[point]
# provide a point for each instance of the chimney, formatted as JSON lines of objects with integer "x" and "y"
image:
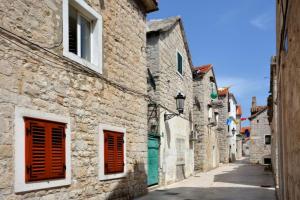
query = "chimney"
{"x": 253, "y": 102}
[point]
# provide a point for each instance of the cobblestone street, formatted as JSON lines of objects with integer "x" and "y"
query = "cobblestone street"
{"x": 237, "y": 181}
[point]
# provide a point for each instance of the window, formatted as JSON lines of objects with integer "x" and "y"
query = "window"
{"x": 210, "y": 113}
{"x": 217, "y": 117}
{"x": 267, "y": 139}
{"x": 267, "y": 161}
{"x": 179, "y": 63}
{"x": 229, "y": 107}
{"x": 113, "y": 152}
{"x": 42, "y": 150}
{"x": 112, "y": 148}
{"x": 45, "y": 150}
{"x": 82, "y": 34}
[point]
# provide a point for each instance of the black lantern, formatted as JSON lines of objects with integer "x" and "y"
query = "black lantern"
{"x": 179, "y": 106}
{"x": 233, "y": 131}
{"x": 180, "y": 102}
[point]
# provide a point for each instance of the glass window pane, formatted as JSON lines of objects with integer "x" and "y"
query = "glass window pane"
{"x": 85, "y": 39}
{"x": 72, "y": 30}
{"x": 179, "y": 63}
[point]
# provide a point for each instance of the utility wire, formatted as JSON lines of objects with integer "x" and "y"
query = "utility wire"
{"x": 74, "y": 68}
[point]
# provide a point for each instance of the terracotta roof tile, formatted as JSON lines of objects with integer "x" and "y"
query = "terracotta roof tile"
{"x": 223, "y": 91}
{"x": 239, "y": 110}
{"x": 203, "y": 69}
{"x": 257, "y": 110}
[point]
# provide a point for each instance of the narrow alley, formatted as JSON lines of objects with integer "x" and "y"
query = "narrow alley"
{"x": 235, "y": 181}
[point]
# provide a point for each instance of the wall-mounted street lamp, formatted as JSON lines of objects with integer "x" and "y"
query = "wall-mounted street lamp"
{"x": 180, "y": 98}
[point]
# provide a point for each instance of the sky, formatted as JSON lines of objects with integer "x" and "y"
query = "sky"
{"x": 236, "y": 36}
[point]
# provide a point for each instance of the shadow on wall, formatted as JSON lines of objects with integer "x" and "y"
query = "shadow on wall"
{"x": 168, "y": 133}
{"x": 131, "y": 186}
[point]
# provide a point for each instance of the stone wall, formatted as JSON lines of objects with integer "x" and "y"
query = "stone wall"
{"x": 168, "y": 83}
{"x": 223, "y": 130}
{"x": 239, "y": 149}
{"x": 41, "y": 79}
{"x": 206, "y": 148}
{"x": 288, "y": 63}
{"x": 259, "y": 128}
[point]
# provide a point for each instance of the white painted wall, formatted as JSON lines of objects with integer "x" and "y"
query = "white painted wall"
{"x": 170, "y": 130}
{"x": 232, "y": 113}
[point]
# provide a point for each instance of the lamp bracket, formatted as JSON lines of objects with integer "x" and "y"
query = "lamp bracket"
{"x": 169, "y": 116}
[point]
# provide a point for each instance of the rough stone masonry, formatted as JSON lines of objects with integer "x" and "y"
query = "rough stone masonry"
{"x": 35, "y": 75}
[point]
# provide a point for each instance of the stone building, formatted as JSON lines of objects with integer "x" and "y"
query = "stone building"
{"x": 170, "y": 74}
{"x": 273, "y": 120}
{"x": 227, "y": 126}
{"x": 260, "y": 139}
{"x": 73, "y": 118}
{"x": 233, "y": 123}
{"x": 245, "y": 133}
{"x": 284, "y": 100}
{"x": 206, "y": 118}
{"x": 223, "y": 128}
{"x": 239, "y": 137}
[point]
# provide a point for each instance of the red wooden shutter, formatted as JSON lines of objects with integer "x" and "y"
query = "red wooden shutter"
{"x": 36, "y": 153}
{"x": 44, "y": 150}
{"x": 57, "y": 151}
{"x": 113, "y": 152}
{"x": 119, "y": 164}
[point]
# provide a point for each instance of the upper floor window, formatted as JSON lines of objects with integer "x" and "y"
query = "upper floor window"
{"x": 267, "y": 139}
{"x": 217, "y": 117}
{"x": 82, "y": 34}
{"x": 179, "y": 63}
{"x": 210, "y": 113}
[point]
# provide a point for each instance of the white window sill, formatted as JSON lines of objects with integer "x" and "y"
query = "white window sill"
{"x": 112, "y": 176}
{"x": 180, "y": 75}
{"x": 82, "y": 61}
{"x": 25, "y": 187}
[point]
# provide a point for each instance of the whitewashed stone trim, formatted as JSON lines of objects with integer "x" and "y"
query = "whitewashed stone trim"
{"x": 96, "y": 63}
{"x": 20, "y": 185}
{"x": 102, "y": 128}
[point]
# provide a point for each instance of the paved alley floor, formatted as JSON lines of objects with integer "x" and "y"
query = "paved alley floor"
{"x": 236, "y": 181}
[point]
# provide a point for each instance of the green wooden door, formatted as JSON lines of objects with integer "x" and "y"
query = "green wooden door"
{"x": 153, "y": 154}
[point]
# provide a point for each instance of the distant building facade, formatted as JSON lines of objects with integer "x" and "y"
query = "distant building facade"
{"x": 239, "y": 137}
{"x": 245, "y": 133}
{"x": 170, "y": 73}
{"x": 260, "y": 139}
{"x": 232, "y": 127}
{"x": 206, "y": 118}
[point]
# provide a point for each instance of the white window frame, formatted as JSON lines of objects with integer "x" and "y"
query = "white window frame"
{"x": 20, "y": 185}
{"x": 210, "y": 113}
{"x": 88, "y": 12}
{"x": 178, "y": 52}
{"x": 265, "y": 139}
{"x": 101, "y": 160}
